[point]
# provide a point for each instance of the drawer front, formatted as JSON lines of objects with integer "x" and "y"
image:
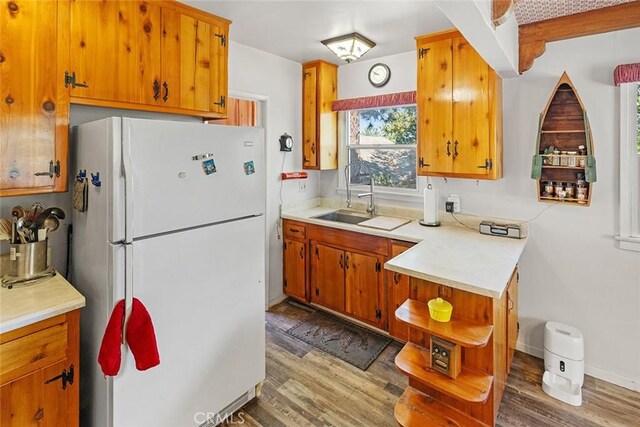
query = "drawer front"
{"x": 30, "y": 352}
{"x": 294, "y": 230}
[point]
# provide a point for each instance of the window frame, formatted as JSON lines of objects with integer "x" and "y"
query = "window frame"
{"x": 629, "y": 233}
{"x": 385, "y": 193}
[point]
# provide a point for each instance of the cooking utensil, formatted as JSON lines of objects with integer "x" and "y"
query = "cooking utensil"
{"x": 22, "y": 229}
{"x": 50, "y": 224}
{"x": 39, "y": 221}
{"x": 34, "y": 211}
{"x": 6, "y": 227}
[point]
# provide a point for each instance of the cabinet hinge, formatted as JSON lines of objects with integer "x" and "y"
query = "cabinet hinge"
{"x": 317, "y": 254}
{"x": 488, "y": 164}
{"x": 422, "y": 164}
{"x": 70, "y": 79}
{"x": 65, "y": 376}
{"x": 422, "y": 52}
{"x": 378, "y": 266}
{"x": 285, "y": 245}
{"x": 285, "y": 283}
{"x": 378, "y": 314}
{"x": 223, "y": 39}
{"x": 222, "y": 103}
{"x": 317, "y": 292}
{"x": 54, "y": 169}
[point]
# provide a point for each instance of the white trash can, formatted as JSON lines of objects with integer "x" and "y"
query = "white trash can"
{"x": 563, "y": 363}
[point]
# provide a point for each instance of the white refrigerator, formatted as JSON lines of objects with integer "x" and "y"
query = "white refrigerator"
{"x": 175, "y": 219}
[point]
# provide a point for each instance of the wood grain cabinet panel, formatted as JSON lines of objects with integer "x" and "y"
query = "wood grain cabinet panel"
{"x": 115, "y": 50}
{"x": 295, "y": 268}
{"x": 34, "y": 105}
{"x": 459, "y": 110}
{"x": 327, "y": 276}
{"x": 364, "y": 288}
{"x": 398, "y": 292}
{"x": 319, "y": 121}
{"x": 33, "y": 393}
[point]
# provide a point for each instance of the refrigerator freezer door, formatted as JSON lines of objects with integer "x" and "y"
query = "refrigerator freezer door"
{"x": 191, "y": 174}
{"x": 204, "y": 290}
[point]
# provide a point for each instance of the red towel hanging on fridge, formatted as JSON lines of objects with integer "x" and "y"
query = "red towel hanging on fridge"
{"x": 140, "y": 335}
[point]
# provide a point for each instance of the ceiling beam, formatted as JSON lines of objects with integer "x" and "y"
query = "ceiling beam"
{"x": 500, "y": 10}
{"x": 534, "y": 37}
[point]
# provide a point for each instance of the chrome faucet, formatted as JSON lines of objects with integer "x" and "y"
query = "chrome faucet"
{"x": 346, "y": 177}
{"x": 371, "y": 208}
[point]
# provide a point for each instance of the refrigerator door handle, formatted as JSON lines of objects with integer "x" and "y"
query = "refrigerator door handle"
{"x": 128, "y": 181}
{"x": 128, "y": 287}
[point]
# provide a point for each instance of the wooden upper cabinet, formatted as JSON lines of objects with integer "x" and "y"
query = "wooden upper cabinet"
{"x": 115, "y": 50}
{"x": 34, "y": 105}
{"x": 319, "y": 121}
{"x": 459, "y": 110}
{"x": 149, "y": 55}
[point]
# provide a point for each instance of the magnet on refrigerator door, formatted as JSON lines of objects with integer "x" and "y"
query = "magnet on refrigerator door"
{"x": 209, "y": 167}
{"x": 249, "y": 168}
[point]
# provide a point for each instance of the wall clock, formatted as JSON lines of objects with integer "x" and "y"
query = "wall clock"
{"x": 379, "y": 75}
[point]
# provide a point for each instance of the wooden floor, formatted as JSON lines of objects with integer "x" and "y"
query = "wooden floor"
{"x": 306, "y": 386}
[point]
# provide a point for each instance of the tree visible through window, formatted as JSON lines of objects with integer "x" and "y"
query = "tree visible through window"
{"x": 382, "y": 143}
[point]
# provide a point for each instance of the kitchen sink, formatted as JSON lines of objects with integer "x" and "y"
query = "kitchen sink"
{"x": 348, "y": 217}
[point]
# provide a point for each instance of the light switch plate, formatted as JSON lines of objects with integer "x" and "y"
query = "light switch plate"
{"x": 302, "y": 186}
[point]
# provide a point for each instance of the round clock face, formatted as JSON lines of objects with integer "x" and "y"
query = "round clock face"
{"x": 288, "y": 142}
{"x": 379, "y": 75}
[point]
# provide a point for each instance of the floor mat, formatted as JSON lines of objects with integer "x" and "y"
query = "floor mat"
{"x": 353, "y": 344}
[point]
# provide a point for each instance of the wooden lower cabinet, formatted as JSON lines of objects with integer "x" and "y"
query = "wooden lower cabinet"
{"x": 364, "y": 287}
{"x": 295, "y": 269}
{"x": 39, "y": 373}
{"x": 513, "y": 326}
{"x": 398, "y": 293}
{"x": 328, "y": 276}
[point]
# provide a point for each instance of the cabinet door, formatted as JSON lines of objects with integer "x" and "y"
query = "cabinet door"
{"x": 294, "y": 269}
{"x": 29, "y": 401}
{"x": 470, "y": 109}
{"x": 115, "y": 50}
{"x": 218, "y": 86}
{"x": 398, "y": 286}
{"x": 34, "y": 112}
{"x": 309, "y": 117}
{"x": 327, "y": 276}
{"x": 435, "y": 120}
{"x": 363, "y": 279}
{"x": 512, "y": 318}
{"x": 186, "y": 61}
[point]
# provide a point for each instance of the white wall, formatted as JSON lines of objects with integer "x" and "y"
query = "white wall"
{"x": 280, "y": 80}
{"x": 571, "y": 270}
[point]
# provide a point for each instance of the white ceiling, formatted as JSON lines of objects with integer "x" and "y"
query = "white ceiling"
{"x": 294, "y": 29}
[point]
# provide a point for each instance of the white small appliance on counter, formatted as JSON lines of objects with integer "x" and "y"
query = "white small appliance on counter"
{"x": 177, "y": 222}
{"x": 563, "y": 363}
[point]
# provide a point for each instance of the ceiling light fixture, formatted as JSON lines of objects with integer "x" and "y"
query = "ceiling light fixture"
{"x": 349, "y": 47}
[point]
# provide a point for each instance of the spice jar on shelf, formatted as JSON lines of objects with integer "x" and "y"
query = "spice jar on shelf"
{"x": 569, "y": 190}
{"x": 556, "y": 157}
{"x": 548, "y": 189}
{"x": 582, "y": 192}
{"x": 582, "y": 156}
{"x": 572, "y": 159}
{"x": 559, "y": 190}
{"x": 564, "y": 159}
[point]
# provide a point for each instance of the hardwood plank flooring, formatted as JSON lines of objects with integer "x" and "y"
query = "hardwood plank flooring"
{"x": 307, "y": 387}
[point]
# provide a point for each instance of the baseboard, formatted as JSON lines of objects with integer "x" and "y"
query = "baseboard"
{"x": 589, "y": 370}
{"x": 277, "y": 300}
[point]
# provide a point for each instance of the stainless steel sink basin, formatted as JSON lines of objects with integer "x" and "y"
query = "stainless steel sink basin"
{"x": 348, "y": 217}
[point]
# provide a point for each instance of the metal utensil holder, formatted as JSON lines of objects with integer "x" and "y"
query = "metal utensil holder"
{"x": 28, "y": 259}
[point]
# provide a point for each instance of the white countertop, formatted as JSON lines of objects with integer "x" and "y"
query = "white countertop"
{"x": 22, "y": 306}
{"x": 450, "y": 255}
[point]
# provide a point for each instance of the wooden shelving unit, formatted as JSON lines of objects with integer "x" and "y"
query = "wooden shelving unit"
{"x": 564, "y": 127}
{"x": 470, "y": 386}
{"x": 416, "y": 315}
{"x": 418, "y": 409}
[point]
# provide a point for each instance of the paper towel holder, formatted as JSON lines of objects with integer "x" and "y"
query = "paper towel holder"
{"x": 429, "y": 224}
{"x": 423, "y": 221}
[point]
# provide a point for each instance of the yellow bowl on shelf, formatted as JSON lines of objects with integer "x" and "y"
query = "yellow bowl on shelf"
{"x": 440, "y": 310}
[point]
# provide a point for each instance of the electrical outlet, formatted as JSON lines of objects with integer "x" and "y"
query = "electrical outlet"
{"x": 302, "y": 186}
{"x": 448, "y": 206}
{"x": 456, "y": 202}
